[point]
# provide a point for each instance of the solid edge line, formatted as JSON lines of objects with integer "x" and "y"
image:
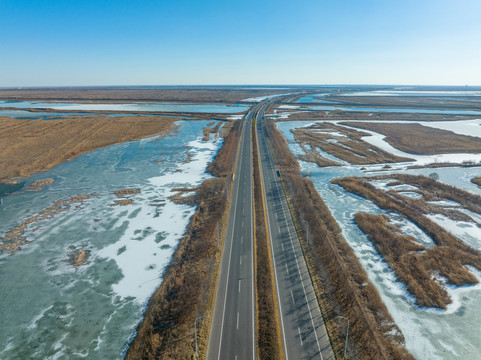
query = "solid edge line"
{"x": 277, "y": 304}
{"x": 232, "y": 239}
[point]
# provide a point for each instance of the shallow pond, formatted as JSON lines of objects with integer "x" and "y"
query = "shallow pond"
{"x": 52, "y": 310}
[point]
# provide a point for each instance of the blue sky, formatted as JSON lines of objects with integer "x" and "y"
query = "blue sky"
{"x": 192, "y": 42}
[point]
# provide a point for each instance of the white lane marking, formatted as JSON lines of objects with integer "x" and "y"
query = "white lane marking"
{"x": 282, "y": 199}
{"x": 237, "y": 321}
{"x": 292, "y": 295}
{"x": 276, "y": 216}
{"x": 243, "y": 211}
{"x": 300, "y": 336}
{"x": 242, "y": 238}
{"x": 228, "y": 266}
{"x": 275, "y": 272}
{"x": 241, "y": 260}
{"x": 282, "y": 244}
{"x": 278, "y": 228}
{"x": 242, "y": 223}
{"x": 239, "y": 284}
{"x": 300, "y": 276}
{"x": 287, "y": 269}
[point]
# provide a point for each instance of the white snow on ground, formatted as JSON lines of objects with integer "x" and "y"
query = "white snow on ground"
{"x": 261, "y": 98}
{"x": 288, "y": 107}
{"x": 469, "y": 232}
{"x": 377, "y": 139}
{"x": 142, "y": 256}
{"x": 463, "y": 127}
{"x": 235, "y": 117}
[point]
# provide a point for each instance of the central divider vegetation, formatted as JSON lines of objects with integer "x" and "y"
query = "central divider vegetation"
{"x": 341, "y": 284}
{"x": 189, "y": 281}
{"x": 268, "y": 331}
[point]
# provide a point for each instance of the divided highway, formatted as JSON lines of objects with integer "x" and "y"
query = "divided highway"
{"x": 303, "y": 331}
{"x": 233, "y": 329}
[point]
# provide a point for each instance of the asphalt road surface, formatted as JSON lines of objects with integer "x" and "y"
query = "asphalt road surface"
{"x": 303, "y": 331}
{"x": 232, "y": 334}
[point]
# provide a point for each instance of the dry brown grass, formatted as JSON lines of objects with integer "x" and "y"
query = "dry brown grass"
{"x": 411, "y": 102}
{"x": 422, "y": 140}
{"x": 348, "y": 147}
{"x": 448, "y": 258}
{"x": 476, "y": 180}
{"x": 267, "y": 327}
{"x": 31, "y": 146}
{"x": 223, "y": 163}
{"x": 14, "y": 239}
{"x": 207, "y": 130}
{"x": 341, "y": 283}
{"x": 196, "y": 95}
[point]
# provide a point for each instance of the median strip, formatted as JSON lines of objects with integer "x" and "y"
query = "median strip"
{"x": 268, "y": 325}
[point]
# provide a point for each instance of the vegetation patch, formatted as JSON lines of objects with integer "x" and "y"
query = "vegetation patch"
{"x": 422, "y": 140}
{"x": 341, "y": 142}
{"x": 476, "y": 180}
{"x": 14, "y": 239}
{"x": 417, "y": 267}
{"x": 39, "y": 184}
{"x": 207, "y": 130}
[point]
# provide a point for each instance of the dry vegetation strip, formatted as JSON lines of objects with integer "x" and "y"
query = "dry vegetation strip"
{"x": 189, "y": 282}
{"x": 416, "y": 269}
{"x": 31, "y": 146}
{"x": 268, "y": 331}
{"x": 341, "y": 284}
{"x": 423, "y": 140}
{"x": 343, "y": 143}
{"x": 194, "y": 95}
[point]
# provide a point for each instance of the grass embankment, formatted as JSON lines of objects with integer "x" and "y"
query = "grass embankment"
{"x": 341, "y": 284}
{"x": 476, "y": 180}
{"x": 341, "y": 142}
{"x": 189, "y": 282}
{"x": 422, "y": 140}
{"x": 413, "y": 263}
{"x": 28, "y": 146}
{"x": 268, "y": 331}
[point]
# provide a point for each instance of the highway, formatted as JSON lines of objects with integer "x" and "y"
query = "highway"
{"x": 303, "y": 331}
{"x": 232, "y": 334}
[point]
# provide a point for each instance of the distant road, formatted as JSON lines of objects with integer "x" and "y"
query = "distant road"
{"x": 232, "y": 334}
{"x": 304, "y": 334}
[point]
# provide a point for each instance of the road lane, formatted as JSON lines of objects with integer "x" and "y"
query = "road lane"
{"x": 232, "y": 334}
{"x": 303, "y": 331}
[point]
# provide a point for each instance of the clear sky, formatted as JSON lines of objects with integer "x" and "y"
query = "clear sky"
{"x": 192, "y": 42}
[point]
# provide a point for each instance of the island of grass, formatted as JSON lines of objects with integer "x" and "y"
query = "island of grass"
{"x": 423, "y": 270}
